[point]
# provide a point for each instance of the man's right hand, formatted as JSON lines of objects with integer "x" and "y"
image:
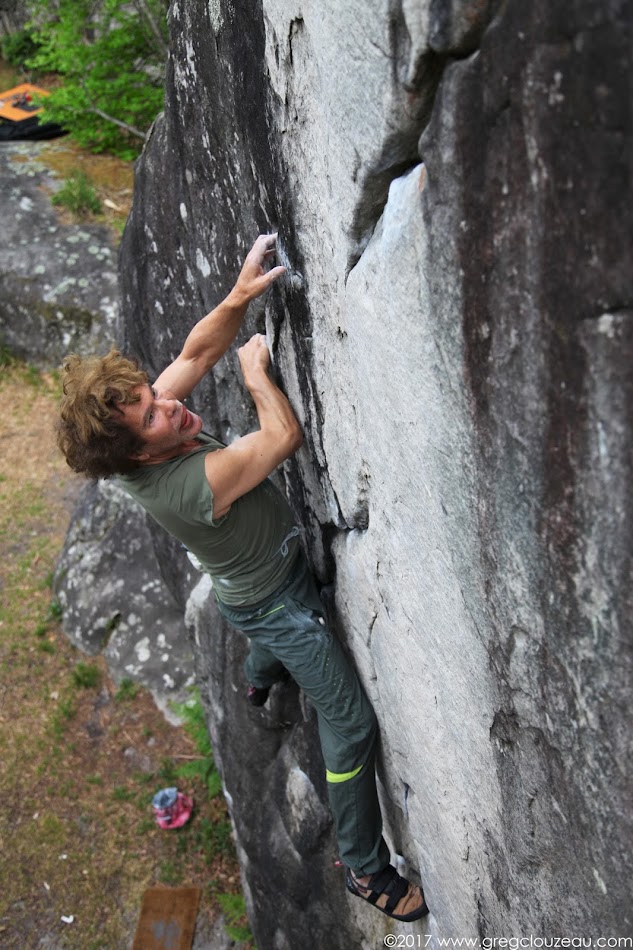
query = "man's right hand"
{"x": 235, "y": 470}
{"x": 254, "y": 357}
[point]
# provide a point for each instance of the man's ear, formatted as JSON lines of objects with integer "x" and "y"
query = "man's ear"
{"x": 140, "y": 457}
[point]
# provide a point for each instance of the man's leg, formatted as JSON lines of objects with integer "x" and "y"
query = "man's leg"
{"x": 291, "y": 626}
{"x": 261, "y": 667}
{"x": 262, "y": 670}
{"x": 292, "y": 629}
{"x": 348, "y": 732}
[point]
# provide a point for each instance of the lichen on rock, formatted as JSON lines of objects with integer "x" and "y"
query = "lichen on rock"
{"x": 58, "y": 281}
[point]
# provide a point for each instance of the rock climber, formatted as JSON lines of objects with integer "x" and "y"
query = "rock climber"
{"x": 219, "y": 502}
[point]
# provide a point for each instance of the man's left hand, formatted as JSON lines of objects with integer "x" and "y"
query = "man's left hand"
{"x": 254, "y": 279}
{"x": 211, "y": 337}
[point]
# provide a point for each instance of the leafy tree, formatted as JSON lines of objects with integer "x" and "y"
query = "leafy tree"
{"x": 18, "y": 47}
{"x": 110, "y": 55}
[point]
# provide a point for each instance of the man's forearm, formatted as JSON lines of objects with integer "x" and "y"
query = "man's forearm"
{"x": 211, "y": 337}
{"x": 207, "y": 342}
{"x": 274, "y": 412}
{"x": 237, "y": 469}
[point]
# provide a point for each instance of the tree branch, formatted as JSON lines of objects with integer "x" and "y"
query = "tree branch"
{"x": 144, "y": 10}
{"x": 110, "y": 118}
{"x": 122, "y": 125}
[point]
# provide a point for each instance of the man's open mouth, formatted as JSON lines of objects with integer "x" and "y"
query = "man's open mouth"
{"x": 187, "y": 419}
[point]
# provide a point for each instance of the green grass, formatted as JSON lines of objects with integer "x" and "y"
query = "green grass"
{"x": 86, "y": 675}
{"x": 6, "y": 359}
{"x": 122, "y": 794}
{"x": 127, "y": 691}
{"x": 195, "y": 726}
{"x": 234, "y": 910}
{"x": 78, "y": 195}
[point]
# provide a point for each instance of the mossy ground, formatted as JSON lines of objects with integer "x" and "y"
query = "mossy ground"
{"x": 79, "y": 759}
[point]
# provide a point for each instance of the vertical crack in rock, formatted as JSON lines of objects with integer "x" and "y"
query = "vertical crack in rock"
{"x": 454, "y": 32}
{"x": 414, "y": 85}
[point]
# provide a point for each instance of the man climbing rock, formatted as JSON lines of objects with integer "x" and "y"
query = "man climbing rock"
{"x": 218, "y": 501}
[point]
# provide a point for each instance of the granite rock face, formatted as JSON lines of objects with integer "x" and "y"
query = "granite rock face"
{"x": 58, "y": 281}
{"x": 451, "y": 183}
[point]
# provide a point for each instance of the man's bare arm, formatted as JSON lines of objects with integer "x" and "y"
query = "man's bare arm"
{"x": 235, "y": 470}
{"x": 212, "y": 336}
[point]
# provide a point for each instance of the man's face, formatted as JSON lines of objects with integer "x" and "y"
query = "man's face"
{"x": 166, "y": 427}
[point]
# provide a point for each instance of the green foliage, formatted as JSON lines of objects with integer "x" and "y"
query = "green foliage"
{"x": 214, "y": 783}
{"x": 220, "y": 837}
{"x": 196, "y": 728}
{"x": 86, "y": 675}
{"x": 214, "y": 837}
{"x": 122, "y": 794}
{"x": 167, "y": 773}
{"x": 111, "y": 56}
{"x": 18, "y": 47}
{"x": 78, "y": 195}
{"x": 234, "y": 910}
{"x": 67, "y": 708}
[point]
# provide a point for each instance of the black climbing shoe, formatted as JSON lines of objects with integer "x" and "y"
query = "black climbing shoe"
{"x": 390, "y": 893}
{"x": 256, "y": 696}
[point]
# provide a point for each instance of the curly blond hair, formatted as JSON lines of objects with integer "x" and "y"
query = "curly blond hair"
{"x": 91, "y": 433}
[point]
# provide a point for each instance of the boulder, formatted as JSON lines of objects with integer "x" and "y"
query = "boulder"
{"x": 114, "y": 599}
{"x": 58, "y": 281}
{"x": 451, "y": 186}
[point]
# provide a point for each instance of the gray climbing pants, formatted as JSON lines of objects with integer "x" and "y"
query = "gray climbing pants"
{"x": 288, "y": 630}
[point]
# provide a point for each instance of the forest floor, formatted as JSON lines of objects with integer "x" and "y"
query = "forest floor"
{"x": 80, "y": 758}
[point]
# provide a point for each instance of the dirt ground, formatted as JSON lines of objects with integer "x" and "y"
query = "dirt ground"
{"x": 80, "y": 760}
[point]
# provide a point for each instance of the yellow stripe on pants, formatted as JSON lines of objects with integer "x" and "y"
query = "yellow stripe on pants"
{"x": 341, "y": 776}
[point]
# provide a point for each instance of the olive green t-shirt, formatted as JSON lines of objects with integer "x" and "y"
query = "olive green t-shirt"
{"x": 248, "y": 552}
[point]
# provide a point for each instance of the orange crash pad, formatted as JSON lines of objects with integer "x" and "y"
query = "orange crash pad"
{"x": 17, "y": 103}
